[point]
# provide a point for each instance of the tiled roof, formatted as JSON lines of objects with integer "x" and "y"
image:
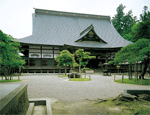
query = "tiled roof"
{"x": 59, "y": 28}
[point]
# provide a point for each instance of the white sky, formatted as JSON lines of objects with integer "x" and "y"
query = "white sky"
{"x": 16, "y": 15}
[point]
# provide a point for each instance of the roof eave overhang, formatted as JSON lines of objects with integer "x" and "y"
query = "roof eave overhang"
{"x": 96, "y": 48}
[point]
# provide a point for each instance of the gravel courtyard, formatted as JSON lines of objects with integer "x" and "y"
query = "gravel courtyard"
{"x": 51, "y": 86}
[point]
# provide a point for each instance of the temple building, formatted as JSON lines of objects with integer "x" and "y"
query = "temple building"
{"x": 54, "y": 31}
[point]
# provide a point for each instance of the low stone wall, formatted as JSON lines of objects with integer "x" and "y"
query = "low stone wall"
{"x": 136, "y": 91}
{"x": 16, "y": 102}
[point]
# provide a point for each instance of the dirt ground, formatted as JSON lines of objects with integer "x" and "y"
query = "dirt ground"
{"x": 85, "y": 107}
{"x": 91, "y": 107}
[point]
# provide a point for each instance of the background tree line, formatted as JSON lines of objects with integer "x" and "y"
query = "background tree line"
{"x": 129, "y": 27}
{"x": 136, "y": 31}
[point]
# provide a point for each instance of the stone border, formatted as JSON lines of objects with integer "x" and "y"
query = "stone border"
{"x": 30, "y": 109}
{"x": 136, "y": 91}
{"x": 9, "y": 102}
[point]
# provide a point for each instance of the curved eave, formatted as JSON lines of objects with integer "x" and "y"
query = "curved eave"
{"x": 23, "y": 44}
{"x": 75, "y": 46}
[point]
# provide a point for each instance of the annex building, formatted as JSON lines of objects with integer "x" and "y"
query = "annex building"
{"x": 54, "y": 31}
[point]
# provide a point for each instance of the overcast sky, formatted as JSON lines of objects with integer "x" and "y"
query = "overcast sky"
{"x": 16, "y": 15}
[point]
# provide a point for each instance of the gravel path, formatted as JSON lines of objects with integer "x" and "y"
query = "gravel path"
{"x": 43, "y": 86}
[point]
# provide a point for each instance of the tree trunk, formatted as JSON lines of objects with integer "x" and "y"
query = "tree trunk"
{"x": 130, "y": 71}
{"x": 5, "y": 74}
{"x": 136, "y": 71}
{"x": 146, "y": 62}
{"x": 65, "y": 70}
{"x": 79, "y": 68}
{"x": 5, "y": 77}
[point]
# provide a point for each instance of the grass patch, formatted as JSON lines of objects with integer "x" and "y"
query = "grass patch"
{"x": 64, "y": 76}
{"x": 134, "y": 81}
{"x": 10, "y": 80}
{"x": 79, "y": 79}
{"x": 127, "y": 108}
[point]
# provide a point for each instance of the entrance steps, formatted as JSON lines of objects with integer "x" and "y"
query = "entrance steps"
{"x": 39, "y": 106}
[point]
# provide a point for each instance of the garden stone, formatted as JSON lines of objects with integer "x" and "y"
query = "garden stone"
{"x": 72, "y": 75}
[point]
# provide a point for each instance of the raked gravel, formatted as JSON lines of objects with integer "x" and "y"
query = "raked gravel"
{"x": 51, "y": 86}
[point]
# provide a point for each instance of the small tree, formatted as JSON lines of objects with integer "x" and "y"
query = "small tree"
{"x": 83, "y": 58}
{"x": 9, "y": 57}
{"x": 132, "y": 53}
{"x": 65, "y": 59}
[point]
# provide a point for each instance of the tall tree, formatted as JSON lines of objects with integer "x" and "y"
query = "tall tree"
{"x": 146, "y": 14}
{"x": 132, "y": 53}
{"x": 9, "y": 57}
{"x": 118, "y": 19}
{"x": 123, "y": 22}
{"x": 65, "y": 59}
{"x": 128, "y": 22}
{"x": 141, "y": 29}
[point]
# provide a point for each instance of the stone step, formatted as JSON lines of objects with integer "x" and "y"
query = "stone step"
{"x": 30, "y": 109}
{"x": 40, "y": 110}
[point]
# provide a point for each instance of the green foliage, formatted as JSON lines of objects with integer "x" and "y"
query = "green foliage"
{"x": 10, "y": 80}
{"x": 75, "y": 64}
{"x": 83, "y": 57}
{"x": 128, "y": 26}
{"x": 84, "y": 69}
{"x": 133, "y": 81}
{"x": 9, "y": 57}
{"x": 65, "y": 58}
{"x": 122, "y": 22}
{"x": 133, "y": 52}
{"x": 118, "y": 19}
{"x": 146, "y": 15}
{"x": 140, "y": 30}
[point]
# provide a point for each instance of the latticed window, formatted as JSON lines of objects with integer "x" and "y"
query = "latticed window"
{"x": 32, "y": 62}
{"x": 49, "y": 62}
{"x": 44, "y": 62}
{"x": 37, "y": 62}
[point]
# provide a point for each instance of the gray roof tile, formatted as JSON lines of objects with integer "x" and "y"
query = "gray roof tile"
{"x": 52, "y": 29}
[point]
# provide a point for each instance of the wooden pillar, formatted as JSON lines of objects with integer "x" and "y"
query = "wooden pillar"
{"x": 47, "y": 70}
{"x": 53, "y": 60}
{"x": 41, "y": 58}
{"x": 106, "y": 60}
{"x": 110, "y": 55}
{"x": 28, "y": 62}
{"x": 54, "y": 69}
{"x": 34, "y": 69}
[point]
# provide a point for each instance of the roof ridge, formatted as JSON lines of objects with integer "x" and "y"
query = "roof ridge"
{"x": 71, "y": 14}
